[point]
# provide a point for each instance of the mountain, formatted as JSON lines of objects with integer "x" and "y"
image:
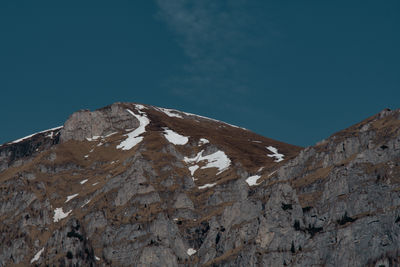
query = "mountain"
{"x": 138, "y": 185}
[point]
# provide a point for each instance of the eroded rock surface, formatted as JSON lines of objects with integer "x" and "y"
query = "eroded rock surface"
{"x": 86, "y": 124}
{"x": 79, "y": 200}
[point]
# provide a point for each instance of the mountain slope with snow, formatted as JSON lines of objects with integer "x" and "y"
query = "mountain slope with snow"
{"x": 132, "y": 184}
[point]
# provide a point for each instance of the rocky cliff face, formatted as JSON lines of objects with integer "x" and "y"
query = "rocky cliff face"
{"x": 136, "y": 185}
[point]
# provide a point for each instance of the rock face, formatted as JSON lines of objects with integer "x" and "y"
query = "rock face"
{"x": 86, "y": 124}
{"x": 75, "y": 197}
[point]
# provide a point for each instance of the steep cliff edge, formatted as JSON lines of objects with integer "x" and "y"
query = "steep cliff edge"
{"x": 139, "y": 185}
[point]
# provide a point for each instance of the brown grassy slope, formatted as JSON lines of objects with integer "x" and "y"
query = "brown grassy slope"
{"x": 236, "y": 142}
{"x": 58, "y": 171}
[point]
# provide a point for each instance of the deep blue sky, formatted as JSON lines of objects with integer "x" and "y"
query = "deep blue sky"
{"x": 295, "y": 71}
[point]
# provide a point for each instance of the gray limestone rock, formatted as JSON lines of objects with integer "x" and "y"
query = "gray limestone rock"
{"x": 183, "y": 202}
{"x": 87, "y": 124}
{"x": 333, "y": 204}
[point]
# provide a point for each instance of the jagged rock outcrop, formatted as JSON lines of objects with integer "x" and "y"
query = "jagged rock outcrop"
{"x": 136, "y": 185}
{"x": 18, "y": 152}
{"x": 87, "y": 124}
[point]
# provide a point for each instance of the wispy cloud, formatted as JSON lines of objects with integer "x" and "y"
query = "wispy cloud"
{"x": 213, "y": 35}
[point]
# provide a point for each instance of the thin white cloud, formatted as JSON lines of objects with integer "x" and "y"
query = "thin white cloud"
{"x": 213, "y": 34}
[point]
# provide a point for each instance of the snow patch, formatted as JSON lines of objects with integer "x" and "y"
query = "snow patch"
{"x": 207, "y": 186}
{"x": 193, "y": 168}
{"x": 191, "y": 251}
{"x": 207, "y": 118}
{"x": 37, "y": 255}
{"x": 87, "y": 202}
{"x": 111, "y": 134}
{"x": 59, "y": 214}
{"x": 217, "y": 160}
{"x": 272, "y": 173}
{"x": 252, "y": 180}
{"x": 140, "y": 107}
{"x": 93, "y": 138}
{"x": 97, "y": 137}
{"x": 83, "y": 181}
{"x": 203, "y": 141}
{"x": 29, "y": 136}
{"x": 133, "y": 137}
{"x": 176, "y": 113}
{"x": 175, "y": 138}
{"x": 278, "y": 157}
{"x": 50, "y": 135}
{"x": 170, "y": 112}
{"x": 71, "y": 197}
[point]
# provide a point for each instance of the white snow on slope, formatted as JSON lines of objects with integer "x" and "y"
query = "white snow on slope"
{"x": 176, "y": 113}
{"x": 203, "y": 141}
{"x": 71, "y": 197}
{"x": 110, "y": 134}
{"x": 191, "y": 251}
{"x": 193, "y": 168}
{"x": 83, "y": 181}
{"x": 216, "y": 160}
{"x": 207, "y": 118}
{"x": 133, "y": 137}
{"x": 170, "y": 112}
{"x": 29, "y": 136}
{"x": 207, "y": 186}
{"x": 272, "y": 173}
{"x": 140, "y": 107}
{"x": 175, "y": 138}
{"x": 97, "y": 137}
{"x": 59, "y": 214}
{"x": 93, "y": 138}
{"x": 252, "y": 180}
{"x": 87, "y": 202}
{"x": 278, "y": 157}
{"x": 37, "y": 255}
{"x": 50, "y": 135}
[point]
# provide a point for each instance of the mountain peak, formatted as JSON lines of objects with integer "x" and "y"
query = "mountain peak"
{"x": 138, "y": 184}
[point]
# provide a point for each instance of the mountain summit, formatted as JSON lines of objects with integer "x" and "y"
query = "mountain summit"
{"x": 138, "y": 185}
